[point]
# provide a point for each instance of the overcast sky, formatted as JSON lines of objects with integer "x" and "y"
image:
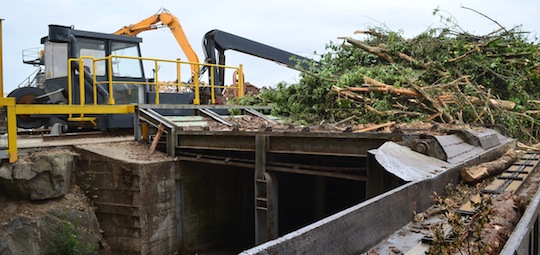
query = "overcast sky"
{"x": 298, "y": 26}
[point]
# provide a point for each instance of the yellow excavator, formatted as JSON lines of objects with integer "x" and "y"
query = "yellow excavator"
{"x": 161, "y": 19}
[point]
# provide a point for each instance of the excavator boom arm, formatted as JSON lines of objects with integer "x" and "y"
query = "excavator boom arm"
{"x": 164, "y": 18}
{"x": 220, "y": 41}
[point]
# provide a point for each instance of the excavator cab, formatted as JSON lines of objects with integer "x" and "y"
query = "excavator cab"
{"x": 64, "y": 43}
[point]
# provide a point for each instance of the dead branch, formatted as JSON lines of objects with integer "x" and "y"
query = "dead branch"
{"x": 478, "y": 118}
{"x": 347, "y": 93}
{"x": 375, "y": 127}
{"x": 387, "y": 89}
{"x": 371, "y": 32}
{"x": 371, "y": 109}
{"x": 374, "y": 50}
{"x": 505, "y": 104}
{"x": 485, "y": 16}
{"x": 464, "y": 55}
{"x": 445, "y": 116}
{"x": 374, "y": 82}
{"x": 345, "y": 120}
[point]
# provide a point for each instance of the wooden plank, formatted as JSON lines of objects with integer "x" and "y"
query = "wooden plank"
{"x": 153, "y": 146}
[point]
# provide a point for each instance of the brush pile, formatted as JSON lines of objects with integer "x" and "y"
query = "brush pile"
{"x": 444, "y": 75}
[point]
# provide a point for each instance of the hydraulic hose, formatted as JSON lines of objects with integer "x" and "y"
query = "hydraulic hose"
{"x": 89, "y": 79}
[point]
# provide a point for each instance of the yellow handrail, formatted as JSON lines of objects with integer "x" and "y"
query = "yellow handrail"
{"x": 241, "y": 81}
{"x": 71, "y": 108}
{"x": 111, "y": 82}
{"x": 1, "y": 63}
{"x": 197, "y": 99}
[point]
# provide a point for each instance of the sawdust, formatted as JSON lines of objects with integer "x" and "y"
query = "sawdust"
{"x": 249, "y": 90}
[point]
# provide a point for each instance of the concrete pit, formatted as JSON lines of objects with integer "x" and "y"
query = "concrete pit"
{"x": 318, "y": 192}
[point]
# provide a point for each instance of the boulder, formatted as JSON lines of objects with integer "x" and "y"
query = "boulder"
{"x": 38, "y": 176}
{"x": 50, "y": 232}
{"x": 58, "y": 226}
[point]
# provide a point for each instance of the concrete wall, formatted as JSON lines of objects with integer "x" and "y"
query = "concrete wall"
{"x": 165, "y": 206}
{"x": 353, "y": 230}
{"x": 157, "y": 208}
{"x": 135, "y": 202}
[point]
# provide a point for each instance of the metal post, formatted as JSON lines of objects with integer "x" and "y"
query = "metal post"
{"x": 197, "y": 99}
{"x": 171, "y": 142}
{"x": 178, "y": 76}
{"x": 9, "y": 103}
{"x": 137, "y": 125}
{"x": 156, "y": 67}
{"x": 1, "y": 63}
{"x": 241, "y": 81}
{"x": 266, "y": 200}
{"x": 110, "y": 77}
{"x": 212, "y": 85}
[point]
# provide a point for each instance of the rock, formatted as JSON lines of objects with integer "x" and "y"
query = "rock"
{"x": 39, "y": 176}
{"x": 30, "y": 227}
{"x": 26, "y": 235}
{"x": 19, "y": 236}
{"x": 5, "y": 173}
{"x": 23, "y": 171}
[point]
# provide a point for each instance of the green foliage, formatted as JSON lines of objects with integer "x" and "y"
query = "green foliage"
{"x": 66, "y": 240}
{"x": 447, "y": 60}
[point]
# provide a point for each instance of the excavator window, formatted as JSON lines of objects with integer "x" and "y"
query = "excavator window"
{"x": 55, "y": 56}
{"x": 92, "y": 48}
{"x": 123, "y": 67}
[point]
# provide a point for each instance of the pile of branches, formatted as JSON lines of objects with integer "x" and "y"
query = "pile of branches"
{"x": 444, "y": 75}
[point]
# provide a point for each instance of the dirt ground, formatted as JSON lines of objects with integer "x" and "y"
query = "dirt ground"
{"x": 33, "y": 209}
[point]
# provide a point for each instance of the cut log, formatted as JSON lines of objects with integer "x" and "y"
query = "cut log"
{"x": 482, "y": 171}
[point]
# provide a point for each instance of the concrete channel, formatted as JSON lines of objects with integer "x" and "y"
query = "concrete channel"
{"x": 273, "y": 191}
{"x": 288, "y": 191}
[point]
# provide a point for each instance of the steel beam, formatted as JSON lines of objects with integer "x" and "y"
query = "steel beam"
{"x": 333, "y": 172}
{"x": 34, "y": 109}
{"x": 292, "y": 143}
{"x": 260, "y": 115}
{"x": 266, "y": 199}
{"x": 211, "y": 114}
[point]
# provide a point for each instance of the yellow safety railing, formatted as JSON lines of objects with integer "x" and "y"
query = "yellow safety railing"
{"x": 9, "y": 104}
{"x": 110, "y": 82}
